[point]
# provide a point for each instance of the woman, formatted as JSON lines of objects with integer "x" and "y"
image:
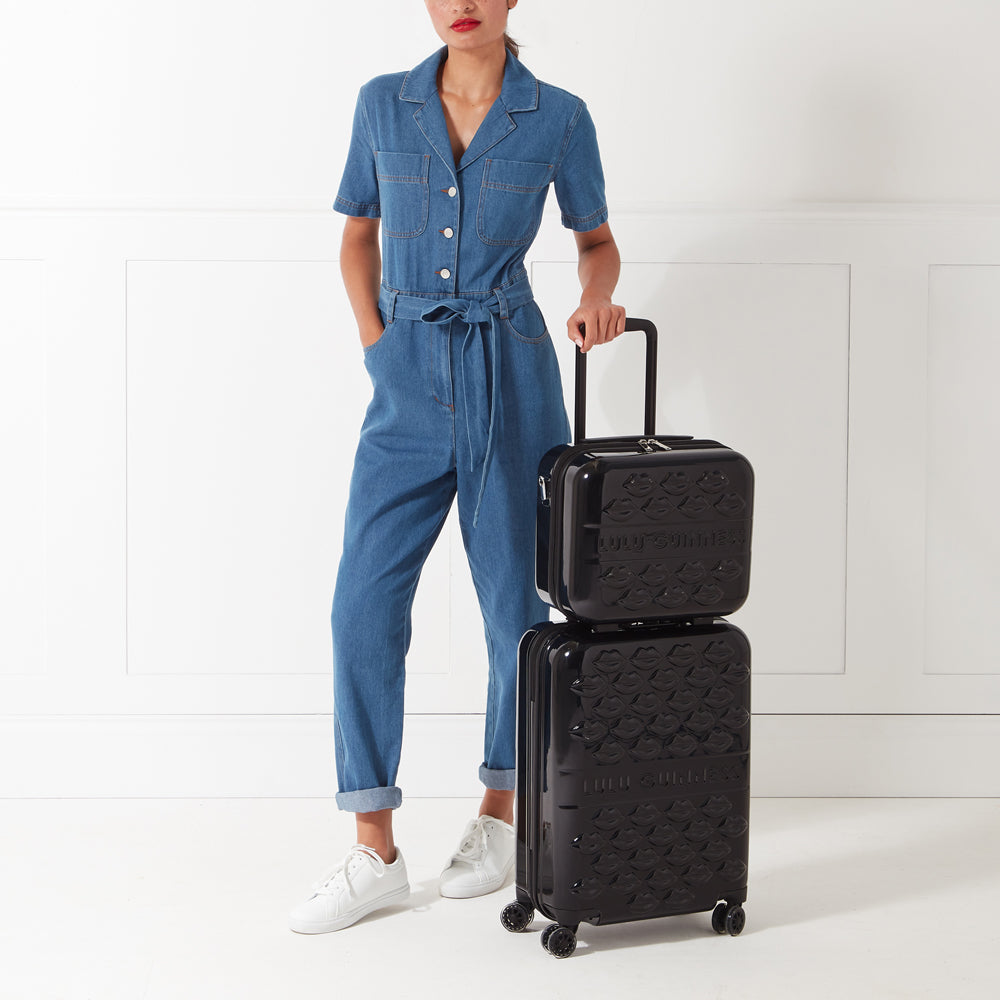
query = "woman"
{"x": 454, "y": 160}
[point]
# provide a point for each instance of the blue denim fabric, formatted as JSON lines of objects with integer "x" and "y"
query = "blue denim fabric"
{"x": 466, "y": 397}
{"x": 400, "y": 167}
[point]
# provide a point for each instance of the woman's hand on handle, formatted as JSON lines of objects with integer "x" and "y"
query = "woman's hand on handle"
{"x": 599, "y": 264}
{"x": 596, "y": 321}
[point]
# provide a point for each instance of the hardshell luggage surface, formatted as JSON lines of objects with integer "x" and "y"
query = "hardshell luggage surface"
{"x": 633, "y": 757}
{"x": 638, "y": 528}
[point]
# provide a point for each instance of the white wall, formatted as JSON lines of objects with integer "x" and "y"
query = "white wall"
{"x": 807, "y": 199}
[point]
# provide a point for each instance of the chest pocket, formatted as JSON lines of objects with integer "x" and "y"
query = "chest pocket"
{"x": 511, "y": 201}
{"x": 403, "y": 192}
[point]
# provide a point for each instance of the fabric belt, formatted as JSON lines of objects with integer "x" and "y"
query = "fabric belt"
{"x": 479, "y": 357}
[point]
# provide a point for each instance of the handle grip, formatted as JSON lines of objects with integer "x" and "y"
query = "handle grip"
{"x": 579, "y": 431}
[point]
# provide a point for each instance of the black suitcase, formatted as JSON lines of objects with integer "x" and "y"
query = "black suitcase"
{"x": 639, "y": 528}
{"x": 633, "y": 756}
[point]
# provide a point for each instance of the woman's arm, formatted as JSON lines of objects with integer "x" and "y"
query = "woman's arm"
{"x": 599, "y": 265}
{"x": 361, "y": 267}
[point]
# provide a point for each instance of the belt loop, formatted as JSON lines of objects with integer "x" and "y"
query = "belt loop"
{"x": 502, "y": 300}
{"x": 391, "y": 305}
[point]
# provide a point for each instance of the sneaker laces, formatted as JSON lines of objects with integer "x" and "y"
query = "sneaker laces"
{"x": 473, "y": 845}
{"x": 338, "y": 878}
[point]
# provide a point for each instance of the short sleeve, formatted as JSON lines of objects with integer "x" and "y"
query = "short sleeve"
{"x": 358, "y": 194}
{"x": 579, "y": 179}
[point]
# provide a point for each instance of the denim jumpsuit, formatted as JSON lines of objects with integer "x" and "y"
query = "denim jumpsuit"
{"x": 466, "y": 397}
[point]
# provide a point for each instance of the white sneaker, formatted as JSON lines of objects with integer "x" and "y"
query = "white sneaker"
{"x": 360, "y": 884}
{"x": 483, "y": 861}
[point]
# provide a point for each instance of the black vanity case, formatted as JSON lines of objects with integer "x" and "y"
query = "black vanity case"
{"x": 638, "y": 528}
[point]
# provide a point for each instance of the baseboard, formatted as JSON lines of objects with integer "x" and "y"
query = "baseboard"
{"x": 292, "y": 756}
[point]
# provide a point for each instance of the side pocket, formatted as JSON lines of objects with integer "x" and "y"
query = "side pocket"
{"x": 527, "y": 324}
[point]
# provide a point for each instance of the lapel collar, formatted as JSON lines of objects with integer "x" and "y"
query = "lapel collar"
{"x": 519, "y": 93}
{"x": 420, "y": 87}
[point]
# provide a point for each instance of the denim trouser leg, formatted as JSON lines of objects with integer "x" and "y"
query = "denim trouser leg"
{"x": 501, "y": 547}
{"x": 409, "y": 465}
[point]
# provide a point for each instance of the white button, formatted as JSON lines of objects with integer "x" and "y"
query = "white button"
{"x": 452, "y": 191}
{"x": 445, "y": 273}
{"x": 449, "y": 232}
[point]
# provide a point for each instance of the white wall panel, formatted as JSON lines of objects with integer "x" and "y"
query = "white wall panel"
{"x": 22, "y": 457}
{"x": 755, "y": 356}
{"x": 232, "y": 447}
{"x": 963, "y": 480}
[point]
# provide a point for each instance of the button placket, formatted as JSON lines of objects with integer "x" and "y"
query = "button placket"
{"x": 448, "y": 232}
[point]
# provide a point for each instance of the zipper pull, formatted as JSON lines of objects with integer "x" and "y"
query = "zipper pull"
{"x": 543, "y": 487}
{"x": 647, "y": 445}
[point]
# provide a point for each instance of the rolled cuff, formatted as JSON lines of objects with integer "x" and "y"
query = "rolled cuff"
{"x": 367, "y": 800}
{"x": 501, "y": 780}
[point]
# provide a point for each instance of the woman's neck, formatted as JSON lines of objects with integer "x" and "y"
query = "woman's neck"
{"x": 474, "y": 77}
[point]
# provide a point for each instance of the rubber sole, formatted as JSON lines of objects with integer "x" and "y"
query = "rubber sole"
{"x": 338, "y": 924}
{"x": 483, "y": 889}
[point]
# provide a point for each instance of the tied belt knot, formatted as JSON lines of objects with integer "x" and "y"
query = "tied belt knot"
{"x": 480, "y": 361}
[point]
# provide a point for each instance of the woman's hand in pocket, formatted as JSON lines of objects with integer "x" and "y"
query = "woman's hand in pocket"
{"x": 370, "y": 333}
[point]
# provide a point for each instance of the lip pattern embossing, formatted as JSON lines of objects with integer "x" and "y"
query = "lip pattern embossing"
{"x": 590, "y": 731}
{"x": 660, "y": 861}
{"x": 589, "y": 686}
{"x": 727, "y": 570}
{"x": 702, "y": 676}
{"x": 676, "y": 483}
{"x": 654, "y": 575}
{"x": 616, "y": 577}
{"x": 718, "y": 742}
{"x": 731, "y": 505}
{"x": 719, "y": 698}
{"x": 620, "y": 509}
{"x": 692, "y": 572}
{"x": 639, "y": 484}
{"x": 609, "y": 753}
{"x": 665, "y": 680}
{"x": 720, "y": 651}
{"x": 709, "y": 595}
{"x": 608, "y": 661}
{"x": 683, "y": 655}
{"x": 699, "y": 722}
{"x": 646, "y": 749}
{"x": 644, "y": 814}
{"x": 645, "y": 657}
{"x": 629, "y": 729}
{"x": 672, "y": 597}
{"x": 657, "y": 508}
{"x": 714, "y": 481}
{"x": 630, "y": 682}
{"x": 641, "y": 702}
{"x": 694, "y": 507}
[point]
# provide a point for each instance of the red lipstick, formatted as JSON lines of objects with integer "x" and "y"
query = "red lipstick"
{"x": 465, "y": 24}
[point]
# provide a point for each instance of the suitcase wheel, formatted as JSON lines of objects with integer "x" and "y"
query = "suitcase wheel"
{"x": 728, "y": 919}
{"x": 559, "y": 941}
{"x": 515, "y": 916}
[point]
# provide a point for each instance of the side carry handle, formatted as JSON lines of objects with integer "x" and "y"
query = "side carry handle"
{"x": 579, "y": 431}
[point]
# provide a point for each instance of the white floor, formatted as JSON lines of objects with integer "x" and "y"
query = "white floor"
{"x": 150, "y": 899}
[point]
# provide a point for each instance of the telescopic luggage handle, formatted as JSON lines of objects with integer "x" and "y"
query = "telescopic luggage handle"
{"x": 581, "y": 380}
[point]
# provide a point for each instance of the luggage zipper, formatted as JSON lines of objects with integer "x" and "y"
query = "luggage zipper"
{"x": 647, "y": 445}
{"x": 543, "y": 486}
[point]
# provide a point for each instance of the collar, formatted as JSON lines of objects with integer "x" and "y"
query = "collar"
{"x": 519, "y": 91}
